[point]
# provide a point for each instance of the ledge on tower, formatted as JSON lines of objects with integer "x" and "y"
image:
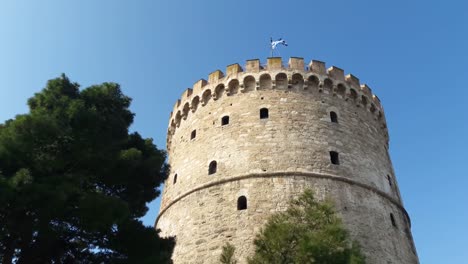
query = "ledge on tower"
{"x": 176, "y": 107}
{"x": 296, "y": 63}
{"x": 366, "y": 90}
{"x": 317, "y": 67}
{"x": 252, "y": 65}
{"x": 353, "y": 81}
{"x": 215, "y": 76}
{"x": 336, "y": 73}
{"x": 376, "y": 100}
{"x": 187, "y": 93}
{"x": 198, "y": 86}
{"x": 233, "y": 69}
{"x": 274, "y": 63}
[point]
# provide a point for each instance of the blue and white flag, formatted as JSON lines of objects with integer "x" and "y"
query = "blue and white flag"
{"x": 277, "y": 42}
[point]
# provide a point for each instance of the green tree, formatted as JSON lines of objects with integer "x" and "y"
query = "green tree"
{"x": 74, "y": 181}
{"x": 307, "y": 232}
{"x": 227, "y": 255}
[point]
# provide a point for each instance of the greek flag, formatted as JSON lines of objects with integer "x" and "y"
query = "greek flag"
{"x": 275, "y": 43}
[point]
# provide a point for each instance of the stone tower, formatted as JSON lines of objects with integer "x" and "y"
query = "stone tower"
{"x": 243, "y": 143}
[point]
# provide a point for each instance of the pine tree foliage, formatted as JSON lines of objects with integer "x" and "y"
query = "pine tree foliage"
{"x": 74, "y": 181}
{"x": 309, "y": 231}
{"x": 227, "y": 255}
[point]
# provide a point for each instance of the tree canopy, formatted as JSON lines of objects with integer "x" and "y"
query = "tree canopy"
{"x": 309, "y": 231}
{"x": 74, "y": 181}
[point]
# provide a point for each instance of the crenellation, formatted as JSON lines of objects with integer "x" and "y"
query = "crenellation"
{"x": 175, "y": 108}
{"x": 186, "y": 95}
{"x": 317, "y": 67}
{"x": 198, "y": 86}
{"x": 352, "y": 81}
{"x": 291, "y": 78}
{"x": 366, "y": 90}
{"x": 376, "y": 100}
{"x": 233, "y": 69}
{"x": 336, "y": 73}
{"x": 296, "y": 63}
{"x": 215, "y": 76}
{"x": 274, "y": 63}
{"x": 252, "y": 66}
{"x": 294, "y": 78}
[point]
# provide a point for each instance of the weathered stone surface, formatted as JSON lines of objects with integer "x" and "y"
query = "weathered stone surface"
{"x": 270, "y": 161}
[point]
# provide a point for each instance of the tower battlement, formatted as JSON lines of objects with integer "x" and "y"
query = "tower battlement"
{"x": 294, "y": 77}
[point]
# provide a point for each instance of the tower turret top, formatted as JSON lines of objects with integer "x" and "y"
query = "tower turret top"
{"x": 314, "y": 75}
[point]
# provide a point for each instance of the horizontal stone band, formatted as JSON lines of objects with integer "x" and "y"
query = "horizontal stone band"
{"x": 286, "y": 174}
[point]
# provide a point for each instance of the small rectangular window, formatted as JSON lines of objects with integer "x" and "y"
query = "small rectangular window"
{"x": 193, "y": 134}
{"x": 333, "y": 117}
{"x": 392, "y": 218}
{"x": 241, "y": 203}
{"x": 334, "y": 158}
{"x": 264, "y": 113}
{"x": 213, "y": 167}
{"x": 225, "y": 120}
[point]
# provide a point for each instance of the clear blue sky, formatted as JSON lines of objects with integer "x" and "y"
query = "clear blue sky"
{"x": 413, "y": 54}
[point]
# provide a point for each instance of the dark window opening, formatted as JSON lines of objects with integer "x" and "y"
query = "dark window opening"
{"x": 264, "y": 113}
{"x": 392, "y": 218}
{"x": 175, "y": 178}
{"x": 225, "y": 120}
{"x": 364, "y": 100}
{"x": 313, "y": 81}
{"x": 389, "y": 180}
{"x": 328, "y": 84}
{"x": 193, "y": 134}
{"x": 241, "y": 203}
{"x": 212, "y": 167}
{"x": 334, "y": 158}
{"x": 353, "y": 94}
{"x": 333, "y": 117}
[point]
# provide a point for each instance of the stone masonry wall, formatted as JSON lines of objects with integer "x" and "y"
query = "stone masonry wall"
{"x": 271, "y": 160}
